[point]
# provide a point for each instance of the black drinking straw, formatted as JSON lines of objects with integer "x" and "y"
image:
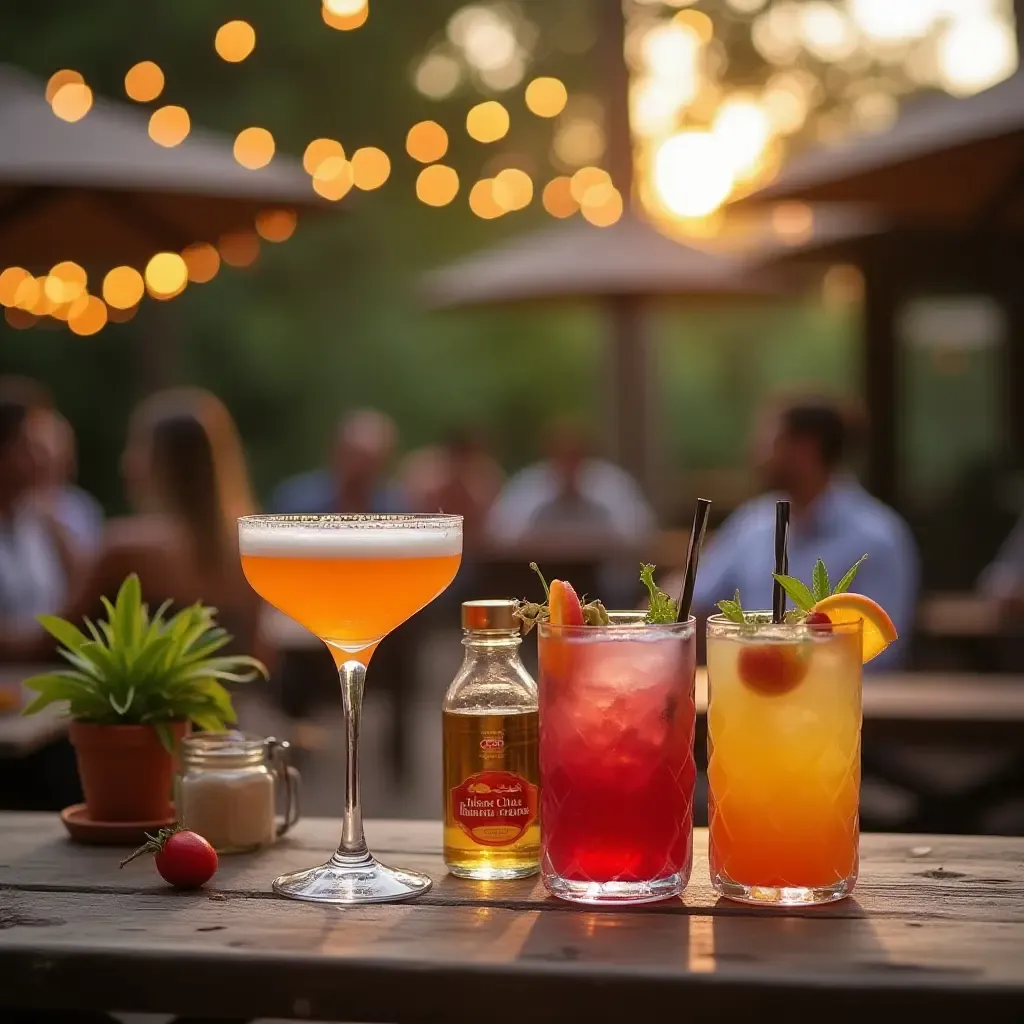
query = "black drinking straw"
{"x": 781, "y": 559}
{"x": 700, "y": 525}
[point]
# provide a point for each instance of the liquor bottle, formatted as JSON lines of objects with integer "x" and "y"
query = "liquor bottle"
{"x": 491, "y": 770}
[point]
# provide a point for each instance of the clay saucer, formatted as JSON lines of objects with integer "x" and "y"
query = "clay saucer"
{"x": 83, "y": 829}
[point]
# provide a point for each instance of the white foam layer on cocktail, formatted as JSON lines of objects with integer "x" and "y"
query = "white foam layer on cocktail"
{"x": 363, "y": 540}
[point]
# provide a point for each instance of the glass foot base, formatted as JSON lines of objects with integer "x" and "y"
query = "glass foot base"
{"x": 622, "y": 893}
{"x": 782, "y": 896}
{"x": 350, "y": 881}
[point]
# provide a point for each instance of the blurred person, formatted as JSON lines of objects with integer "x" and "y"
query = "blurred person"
{"x": 1003, "y": 579}
{"x": 460, "y": 477}
{"x": 74, "y": 508}
{"x": 37, "y": 557}
{"x": 355, "y": 482}
{"x": 184, "y": 471}
{"x": 800, "y": 452}
{"x": 571, "y": 492}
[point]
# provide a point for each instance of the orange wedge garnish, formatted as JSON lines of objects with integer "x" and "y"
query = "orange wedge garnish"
{"x": 879, "y": 631}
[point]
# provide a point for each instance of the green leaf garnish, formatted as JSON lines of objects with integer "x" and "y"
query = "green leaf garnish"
{"x": 820, "y": 585}
{"x": 662, "y": 608}
{"x": 798, "y": 591}
{"x": 844, "y": 584}
{"x": 732, "y": 610}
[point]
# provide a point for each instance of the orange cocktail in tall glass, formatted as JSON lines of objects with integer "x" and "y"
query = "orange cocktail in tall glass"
{"x": 351, "y": 580}
{"x": 784, "y": 721}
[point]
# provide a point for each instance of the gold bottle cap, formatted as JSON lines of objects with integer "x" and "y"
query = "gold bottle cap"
{"x": 493, "y": 614}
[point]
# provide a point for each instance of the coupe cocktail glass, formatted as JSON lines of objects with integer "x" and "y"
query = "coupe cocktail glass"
{"x": 351, "y": 579}
{"x": 616, "y": 759}
{"x": 784, "y": 718}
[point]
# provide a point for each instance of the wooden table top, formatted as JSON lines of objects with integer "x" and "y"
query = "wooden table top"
{"x": 937, "y": 925}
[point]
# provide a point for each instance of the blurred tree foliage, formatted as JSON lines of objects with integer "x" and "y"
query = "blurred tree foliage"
{"x": 331, "y": 318}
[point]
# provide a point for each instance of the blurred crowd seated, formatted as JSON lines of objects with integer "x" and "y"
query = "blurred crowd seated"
{"x": 185, "y": 477}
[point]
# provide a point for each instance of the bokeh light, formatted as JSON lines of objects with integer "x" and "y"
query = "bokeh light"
{"x": 892, "y": 22}
{"x": 19, "y": 319}
{"x": 578, "y": 141}
{"x": 234, "y": 41}
{"x": 65, "y": 282}
{"x": 61, "y": 78}
{"x": 121, "y": 316}
{"x": 123, "y": 287}
{"x": 320, "y": 150}
{"x": 437, "y": 185}
{"x": 587, "y": 179}
{"x": 603, "y": 206}
{"x": 692, "y": 175}
{"x": 92, "y": 319}
{"x": 27, "y": 292}
{"x": 144, "y": 81}
{"x": 334, "y": 14}
{"x": 512, "y": 189}
{"x": 437, "y": 76}
{"x": 276, "y": 225}
{"x": 546, "y": 97}
{"x": 202, "y": 261}
{"x": 166, "y": 275}
{"x": 486, "y": 37}
{"x": 254, "y": 148}
{"x": 481, "y": 200}
{"x": 975, "y": 53}
{"x": 10, "y": 279}
{"x": 426, "y": 142}
{"x": 169, "y": 126}
{"x": 72, "y": 102}
{"x": 558, "y": 198}
{"x": 371, "y": 167}
{"x": 333, "y": 178}
{"x": 842, "y": 286}
{"x": 487, "y": 122}
{"x": 742, "y": 130}
{"x": 70, "y": 310}
{"x": 793, "y": 223}
{"x": 239, "y": 248}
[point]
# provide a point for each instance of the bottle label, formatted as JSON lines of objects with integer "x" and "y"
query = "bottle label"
{"x": 494, "y": 808}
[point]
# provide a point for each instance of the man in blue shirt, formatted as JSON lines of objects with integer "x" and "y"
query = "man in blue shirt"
{"x": 801, "y": 451}
{"x": 356, "y": 481}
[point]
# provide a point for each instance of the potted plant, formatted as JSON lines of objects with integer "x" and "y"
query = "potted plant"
{"x": 136, "y": 684}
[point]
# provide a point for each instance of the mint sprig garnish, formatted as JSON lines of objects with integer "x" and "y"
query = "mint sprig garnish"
{"x": 662, "y": 608}
{"x": 732, "y": 610}
{"x": 804, "y": 597}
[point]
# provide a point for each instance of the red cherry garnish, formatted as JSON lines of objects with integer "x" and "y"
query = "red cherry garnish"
{"x": 772, "y": 669}
{"x": 819, "y": 621}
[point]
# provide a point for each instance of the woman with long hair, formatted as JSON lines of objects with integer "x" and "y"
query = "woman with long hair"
{"x": 184, "y": 471}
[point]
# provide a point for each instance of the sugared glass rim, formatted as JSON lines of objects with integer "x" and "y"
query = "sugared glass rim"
{"x": 361, "y": 520}
{"x": 721, "y": 624}
{"x": 627, "y": 623}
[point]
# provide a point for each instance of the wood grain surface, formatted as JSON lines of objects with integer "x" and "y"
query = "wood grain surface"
{"x": 937, "y": 926}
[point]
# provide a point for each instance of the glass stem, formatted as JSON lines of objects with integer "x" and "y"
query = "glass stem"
{"x": 353, "y": 844}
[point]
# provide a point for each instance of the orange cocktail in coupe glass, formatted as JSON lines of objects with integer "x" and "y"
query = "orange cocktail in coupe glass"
{"x": 351, "y": 580}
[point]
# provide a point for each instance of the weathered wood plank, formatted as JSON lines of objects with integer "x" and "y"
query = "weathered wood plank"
{"x": 937, "y": 927}
{"x": 277, "y": 958}
{"x": 923, "y": 878}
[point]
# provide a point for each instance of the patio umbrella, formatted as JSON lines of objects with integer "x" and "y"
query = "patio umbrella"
{"x": 100, "y": 192}
{"x": 950, "y": 162}
{"x": 621, "y": 268}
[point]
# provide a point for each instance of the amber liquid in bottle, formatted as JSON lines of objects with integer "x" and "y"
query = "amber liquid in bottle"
{"x": 490, "y": 833}
{"x": 491, "y": 767}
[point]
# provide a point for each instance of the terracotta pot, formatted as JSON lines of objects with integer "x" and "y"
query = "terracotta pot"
{"x": 126, "y": 774}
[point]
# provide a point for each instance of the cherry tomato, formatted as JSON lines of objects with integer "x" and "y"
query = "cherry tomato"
{"x": 186, "y": 860}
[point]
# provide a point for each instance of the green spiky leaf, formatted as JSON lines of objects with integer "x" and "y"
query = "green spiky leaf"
{"x": 847, "y": 581}
{"x": 661, "y": 608}
{"x": 802, "y": 597}
{"x": 134, "y": 667}
{"x": 820, "y": 585}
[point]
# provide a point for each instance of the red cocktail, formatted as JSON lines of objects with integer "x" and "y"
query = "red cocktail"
{"x": 616, "y": 759}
